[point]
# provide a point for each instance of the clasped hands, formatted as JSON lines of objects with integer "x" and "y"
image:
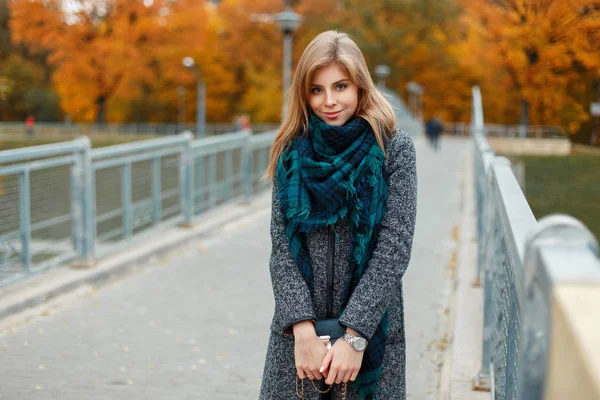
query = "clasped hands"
{"x": 341, "y": 363}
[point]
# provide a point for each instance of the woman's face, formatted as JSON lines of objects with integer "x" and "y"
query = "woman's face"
{"x": 332, "y": 96}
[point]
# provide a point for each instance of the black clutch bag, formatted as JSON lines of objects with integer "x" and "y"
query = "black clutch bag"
{"x": 329, "y": 330}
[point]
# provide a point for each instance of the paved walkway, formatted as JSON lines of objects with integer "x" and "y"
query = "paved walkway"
{"x": 195, "y": 325}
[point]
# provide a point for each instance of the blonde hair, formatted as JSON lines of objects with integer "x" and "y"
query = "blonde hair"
{"x": 327, "y": 48}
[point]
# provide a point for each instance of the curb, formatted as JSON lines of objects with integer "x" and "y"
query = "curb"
{"x": 64, "y": 280}
{"x": 465, "y": 323}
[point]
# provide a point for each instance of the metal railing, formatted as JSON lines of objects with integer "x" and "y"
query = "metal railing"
{"x": 519, "y": 262}
{"x": 66, "y": 202}
{"x": 76, "y": 129}
{"x": 508, "y": 131}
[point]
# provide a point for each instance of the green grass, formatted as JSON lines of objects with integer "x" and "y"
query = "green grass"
{"x": 568, "y": 185}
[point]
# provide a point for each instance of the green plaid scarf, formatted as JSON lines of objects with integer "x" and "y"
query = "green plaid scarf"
{"x": 325, "y": 175}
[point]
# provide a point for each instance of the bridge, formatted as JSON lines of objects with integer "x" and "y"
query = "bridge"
{"x": 141, "y": 271}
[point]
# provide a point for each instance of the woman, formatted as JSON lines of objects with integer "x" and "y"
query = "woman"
{"x": 343, "y": 214}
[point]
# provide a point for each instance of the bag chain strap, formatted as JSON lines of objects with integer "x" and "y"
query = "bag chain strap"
{"x": 301, "y": 395}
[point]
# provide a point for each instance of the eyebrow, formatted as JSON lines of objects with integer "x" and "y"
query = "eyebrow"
{"x": 333, "y": 84}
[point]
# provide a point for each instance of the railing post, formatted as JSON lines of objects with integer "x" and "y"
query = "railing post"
{"x": 156, "y": 190}
{"x": 228, "y": 178}
{"x": 186, "y": 180}
{"x": 25, "y": 218}
{"x": 212, "y": 181}
{"x": 571, "y": 237}
{"x": 247, "y": 168}
{"x": 83, "y": 205}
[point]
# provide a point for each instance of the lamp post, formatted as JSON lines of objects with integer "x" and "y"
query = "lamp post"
{"x": 181, "y": 108}
{"x": 288, "y": 21}
{"x": 415, "y": 99}
{"x": 189, "y": 63}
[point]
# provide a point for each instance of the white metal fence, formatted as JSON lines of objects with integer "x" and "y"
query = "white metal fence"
{"x": 66, "y": 201}
{"x": 520, "y": 260}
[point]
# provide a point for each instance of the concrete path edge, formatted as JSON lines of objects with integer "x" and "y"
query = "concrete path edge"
{"x": 465, "y": 323}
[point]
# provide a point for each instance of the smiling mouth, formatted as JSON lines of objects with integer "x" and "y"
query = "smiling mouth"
{"x": 333, "y": 114}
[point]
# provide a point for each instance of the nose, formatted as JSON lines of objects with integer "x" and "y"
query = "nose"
{"x": 330, "y": 99}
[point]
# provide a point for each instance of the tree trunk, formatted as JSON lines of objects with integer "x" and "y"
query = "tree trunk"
{"x": 524, "y": 118}
{"x": 100, "y": 110}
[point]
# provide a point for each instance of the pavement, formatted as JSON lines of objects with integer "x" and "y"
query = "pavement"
{"x": 185, "y": 314}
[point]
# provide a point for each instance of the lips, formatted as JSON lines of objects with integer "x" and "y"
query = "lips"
{"x": 333, "y": 115}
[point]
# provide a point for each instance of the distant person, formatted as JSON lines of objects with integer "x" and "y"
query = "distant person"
{"x": 29, "y": 124}
{"x": 433, "y": 131}
{"x": 342, "y": 224}
{"x": 241, "y": 122}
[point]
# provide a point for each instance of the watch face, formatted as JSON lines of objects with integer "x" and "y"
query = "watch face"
{"x": 360, "y": 344}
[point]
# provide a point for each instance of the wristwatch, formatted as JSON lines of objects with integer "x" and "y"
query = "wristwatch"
{"x": 358, "y": 343}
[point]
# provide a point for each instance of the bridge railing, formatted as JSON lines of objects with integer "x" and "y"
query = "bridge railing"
{"x": 521, "y": 263}
{"x": 49, "y": 129}
{"x": 508, "y": 131}
{"x": 66, "y": 202}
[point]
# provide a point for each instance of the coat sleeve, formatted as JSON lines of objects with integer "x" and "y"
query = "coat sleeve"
{"x": 391, "y": 255}
{"x": 293, "y": 301}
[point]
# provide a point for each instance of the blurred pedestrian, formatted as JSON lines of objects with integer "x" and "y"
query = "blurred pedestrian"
{"x": 241, "y": 122}
{"x": 433, "y": 131}
{"x": 342, "y": 224}
{"x": 29, "y": 125}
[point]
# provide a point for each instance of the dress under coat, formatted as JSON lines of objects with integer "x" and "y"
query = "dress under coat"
{"x": 379, "y": 288}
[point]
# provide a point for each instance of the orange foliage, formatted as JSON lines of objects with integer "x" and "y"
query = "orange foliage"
{"x": 106, "y": 51}
{"x": 546, "y": 52}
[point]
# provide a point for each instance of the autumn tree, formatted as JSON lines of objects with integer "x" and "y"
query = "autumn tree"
{"x": 101, "y": 50}
{"x": 25, "y": 85}
{"x": 548, "y": 49}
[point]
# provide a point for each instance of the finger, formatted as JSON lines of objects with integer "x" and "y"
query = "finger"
{"x": 342, "y": 376}
{"x": 333, "y": 375}
{"x": 331, "y": 378}
{"x": 326, "y": 361}
{"x": 301, "y": 373}
{"x": 354, "y": 375}
{"x": 309, "y": 375}
{"x": 316, "y": 374}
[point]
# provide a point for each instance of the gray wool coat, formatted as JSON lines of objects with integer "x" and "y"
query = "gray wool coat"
{"x": 380, "y": 286}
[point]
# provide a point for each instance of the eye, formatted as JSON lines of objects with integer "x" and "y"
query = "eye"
{"x": 341, "y": 86}
{"x": 315, "y": 90}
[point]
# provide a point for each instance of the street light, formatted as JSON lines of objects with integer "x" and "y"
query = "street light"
{"x": 189, "y": 63}
{"x": 415, "y": 99}
{"x": 181, "y": 108}
{"x": 289, "y": 22}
